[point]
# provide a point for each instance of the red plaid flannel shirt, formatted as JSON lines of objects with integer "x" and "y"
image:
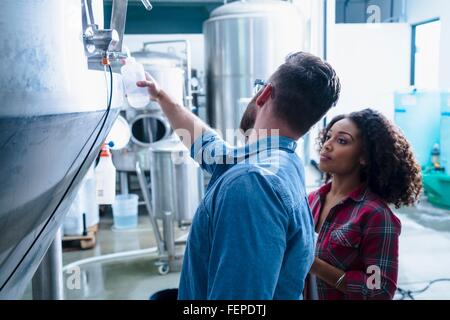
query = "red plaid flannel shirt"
{"x": 359, "y": 232}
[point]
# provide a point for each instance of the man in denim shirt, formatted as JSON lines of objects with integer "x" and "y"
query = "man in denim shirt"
{"x": 252, "y": 236}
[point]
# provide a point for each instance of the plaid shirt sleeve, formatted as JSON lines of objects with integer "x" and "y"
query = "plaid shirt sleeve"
{"x": 379, "y": 248}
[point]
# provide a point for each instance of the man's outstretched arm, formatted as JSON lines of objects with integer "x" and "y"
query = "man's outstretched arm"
{"x": 180, "y": 118}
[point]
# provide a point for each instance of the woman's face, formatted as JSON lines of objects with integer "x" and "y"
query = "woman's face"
{"x": 341, "y": 154}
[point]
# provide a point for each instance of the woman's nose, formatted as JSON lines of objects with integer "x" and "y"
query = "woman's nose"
{"x": 327, "y": 145}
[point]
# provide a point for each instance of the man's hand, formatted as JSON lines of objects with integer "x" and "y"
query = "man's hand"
{"x": 153, "y": 87}
{"x": 179, "y": 117}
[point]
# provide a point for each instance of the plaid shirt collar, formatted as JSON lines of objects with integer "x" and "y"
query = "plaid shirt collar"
{"x": 357, "y": 195}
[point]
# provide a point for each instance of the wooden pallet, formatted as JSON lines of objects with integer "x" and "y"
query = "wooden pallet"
{"x": 82, "y": 242}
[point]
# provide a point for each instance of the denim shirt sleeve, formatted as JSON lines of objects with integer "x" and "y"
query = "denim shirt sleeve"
{"x": 209, "y": 150}
{"x": 249, "y": 229}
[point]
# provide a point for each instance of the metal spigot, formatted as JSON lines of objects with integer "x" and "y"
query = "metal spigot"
{"x": 99, "y": 43}
{"x": 100, "y": 40}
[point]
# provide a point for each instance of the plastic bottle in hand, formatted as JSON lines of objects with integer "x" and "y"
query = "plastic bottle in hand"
{"x": 131, "y": 73}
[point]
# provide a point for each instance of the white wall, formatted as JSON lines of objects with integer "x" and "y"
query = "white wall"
{"x": 312, "y": 13}
{"x": 421, "y": 10}
{"x": 372, "y": 62}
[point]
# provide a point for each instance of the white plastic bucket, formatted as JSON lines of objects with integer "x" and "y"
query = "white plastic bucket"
{"x": 85, "y": 202}
{"x": 125, "y": 211}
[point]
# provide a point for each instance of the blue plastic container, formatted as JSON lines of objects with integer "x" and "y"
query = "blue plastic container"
{"x": 418, "y": 114}
{"x": 445, "y": 131}
{"x": 125, "y": 211}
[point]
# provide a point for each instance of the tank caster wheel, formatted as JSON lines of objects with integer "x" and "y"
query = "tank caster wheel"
{"x": 163, "y": 269}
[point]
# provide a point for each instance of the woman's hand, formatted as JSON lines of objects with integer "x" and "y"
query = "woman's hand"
{"x": 328, "y": 273}
{"x": 315, "y": 266}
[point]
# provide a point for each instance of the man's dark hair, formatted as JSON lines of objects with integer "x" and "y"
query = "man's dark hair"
{"x": 305, "y": 88}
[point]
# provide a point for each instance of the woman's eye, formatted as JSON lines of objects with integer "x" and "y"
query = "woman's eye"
{"x": 341, "y": 141}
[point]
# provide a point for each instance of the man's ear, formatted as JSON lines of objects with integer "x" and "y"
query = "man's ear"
{"x": 264, "y": 95}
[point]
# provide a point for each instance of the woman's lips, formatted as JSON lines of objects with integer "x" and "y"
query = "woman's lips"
{"x": 324, "y": 158}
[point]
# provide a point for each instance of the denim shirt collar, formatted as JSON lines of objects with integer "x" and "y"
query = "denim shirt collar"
{"x": 264, "y": 144}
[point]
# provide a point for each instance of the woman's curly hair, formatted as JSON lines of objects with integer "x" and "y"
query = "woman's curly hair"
{"x": 391, "y": 170}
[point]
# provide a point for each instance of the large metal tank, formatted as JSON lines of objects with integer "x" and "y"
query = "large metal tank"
{"x": 244, "y": 41}
{"x": 176, "y": 180}
{"x": 149, "y": 125}
{"x": 53, "y": 120}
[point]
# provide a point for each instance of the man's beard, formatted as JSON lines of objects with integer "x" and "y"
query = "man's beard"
{"x": 249, "y": 117}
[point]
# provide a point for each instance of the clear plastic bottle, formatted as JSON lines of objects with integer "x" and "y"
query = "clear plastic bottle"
{"x": 133, "y": 72}
{"x": 105, "y": 178}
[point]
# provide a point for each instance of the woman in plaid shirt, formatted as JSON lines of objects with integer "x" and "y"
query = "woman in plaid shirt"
{"x": 369, "y": 165}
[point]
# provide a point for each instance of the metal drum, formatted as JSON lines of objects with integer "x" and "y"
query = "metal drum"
{"x": 245, "y": 41}
{"x": 176, "y": 180}
{"x": 147, "y": 127}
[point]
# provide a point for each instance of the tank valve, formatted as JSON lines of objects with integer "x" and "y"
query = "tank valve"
{"x": 101, "y": 42}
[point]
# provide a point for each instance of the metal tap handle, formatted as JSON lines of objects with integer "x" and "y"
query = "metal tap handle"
{"x": 90, "y": 12}
{"x": 118, "y": 19}
{"x": 148, "y": 6}
{"x": 105, "y": 42}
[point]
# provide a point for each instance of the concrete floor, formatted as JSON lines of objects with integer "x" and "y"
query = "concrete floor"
{"x": 424, "y": 256}
{"x": 134, "y": 277}
{"x": 425, "y": 251}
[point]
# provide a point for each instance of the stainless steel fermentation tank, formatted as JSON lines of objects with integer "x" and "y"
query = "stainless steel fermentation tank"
{"x": 176, "y": 191}
{"x": 53, "y": 119}
{"x": 244, "y": 41}
{"x": 176, "y": 180}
